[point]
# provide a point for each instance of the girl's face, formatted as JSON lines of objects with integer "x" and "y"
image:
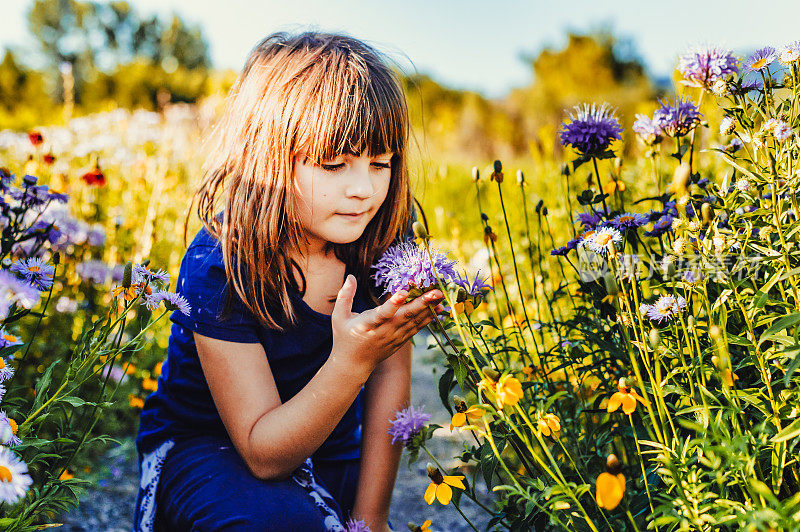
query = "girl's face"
{"x": 339, "y": 197}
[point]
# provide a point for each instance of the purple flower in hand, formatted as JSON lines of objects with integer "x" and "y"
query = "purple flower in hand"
{"x": 407, "y": 424}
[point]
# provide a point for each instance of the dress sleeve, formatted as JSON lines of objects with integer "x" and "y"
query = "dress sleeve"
{"x": 203, "y": 283}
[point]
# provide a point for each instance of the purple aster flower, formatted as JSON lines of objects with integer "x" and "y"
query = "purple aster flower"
{"x": 703, "y": 66}
{"x": 590, "y": 130}
{"x": 171, "y": 302}
{"x": 665, "y": 308}
{"x": 407, "y": 424}
{"x": 761, "y": 59}
{"x": 13, "y": 290}
{"x": 354, "y": 525}
{"x": 782, "y": 130}
{"x": 66, "y": 305}
{"x": 591, "y": 219}
{"x": 563, "y": 250}
{"x": 115, "y": 373}
{"x": 649, "y": 132}
{"x": 663, "y": 225}
{"x": 601, "y": 240}
{"x": 677, "y": 120}
{"x": 7, "y": 339}
{"x": 29, "y": 180}
{"x": 35, "y": 271}
{"x": 117, "y": 272}
{"x": 142, "y": 274}
{"x": 407, "y": 265}
{"x": 93, "y": 270}
{"x": 9, "y": 439}
{"x": 7, "y": 371}
{"x": 627, "y": 221}
{"x": 96, "y": 236}
{"x": 476, "y": 288}
{"x": 790, "y": 53}
{"x": 692, "y": 276}
{"x": 2, "y": 391}
{"x": 734, "y": 145}
{"x": 58, "y": 197}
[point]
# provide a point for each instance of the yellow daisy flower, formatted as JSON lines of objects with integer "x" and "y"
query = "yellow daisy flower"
{"x": 625, "y": 397}
{"x": 549, "y": 424}
{"x": 439, "y": 488}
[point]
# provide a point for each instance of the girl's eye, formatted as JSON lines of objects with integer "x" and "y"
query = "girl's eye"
{"x": 331, "y": 167}
{"x": 382, "y": 165}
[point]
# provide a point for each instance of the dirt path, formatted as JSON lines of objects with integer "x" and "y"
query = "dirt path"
{"x": 109, "y": 507}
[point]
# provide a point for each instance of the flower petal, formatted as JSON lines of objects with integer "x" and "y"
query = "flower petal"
{"x": 444, "y": 493}
{"x": 610, "y": 489}
{"x": 430, "y": 493}
{"x": 628, "y": 403}
{"x": 455, "y": 481}
{"x": 459, "y": 418}
{"x": 614, "y": 402}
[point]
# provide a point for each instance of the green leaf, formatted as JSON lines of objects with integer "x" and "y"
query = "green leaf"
{"x": 779, "y": 325}
{"x": 489, "y": 464}
{"x": 74, "y": 401}
{"x": 789, "y": 432}
{"x": 445, "y": 385}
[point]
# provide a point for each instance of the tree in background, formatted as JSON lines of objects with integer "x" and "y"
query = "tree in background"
{"x": 110, "y": 47}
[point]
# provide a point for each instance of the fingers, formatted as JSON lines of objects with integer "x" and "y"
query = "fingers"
{"x": 387, "y": 311}
{"x": 344, "y": 299}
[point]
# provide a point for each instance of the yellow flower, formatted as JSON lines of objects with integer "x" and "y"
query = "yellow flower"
{"x": 610, "y": 489}
{"x": 614, "y": 185}
{"x": 66, "y": 475}
{"x": 135, "y": 402}
{"x": 157, "y": 368}
{"x": 150, "y": 384}
{"x": 460, "y": 418}
{"x": 130, "y": 369}
{"x": 509, "y": 391}
{"x": 439, "y": 488}
{"x": 13, "y": 425}
{"x": 549, "y": 424}
{"x": 425, "y": 527}
{"x": 626, "y": 397}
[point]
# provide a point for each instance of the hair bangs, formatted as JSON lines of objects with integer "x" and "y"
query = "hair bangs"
{"x": 353, "y": 112}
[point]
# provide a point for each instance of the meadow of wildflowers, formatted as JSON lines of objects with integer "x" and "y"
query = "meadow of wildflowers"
{"x": 640, "y": 369}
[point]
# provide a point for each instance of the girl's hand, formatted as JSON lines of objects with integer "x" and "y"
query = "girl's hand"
{"x": 368, "y": 338}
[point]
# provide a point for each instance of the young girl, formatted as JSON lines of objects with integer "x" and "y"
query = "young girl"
{"x": 274, "y": 402}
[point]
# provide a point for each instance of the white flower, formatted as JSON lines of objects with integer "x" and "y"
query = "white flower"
{"x": 790, "y": 53}
{"x": 14, "y": 477}
{"x": 727, "y": 126}
{"x": 742, "y": 184}
{"x": 603, "y": 239}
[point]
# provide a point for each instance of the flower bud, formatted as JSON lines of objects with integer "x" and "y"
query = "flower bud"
{"x": 490, "y": 373}
{"x": 613, "y": 465}
{"x": 127, "y": 275}
{"x": 617, "y": 164}
{"x": 681, "y": 178}
{"x": 476, "y": 174}
{"x": 565, "y": 171}
{"x": 498, "y": 166}
{"x": 544, "y": 211}
{"x": 419, "y": 230}
{"x": 655, "y": 338}
{"x": 460, "y": 403}
{"x": 520, "y": 177}
{"x": 707, "y": 211}
{"x": 715, "y": 332}
{"x": 56, "y": 258}
{"x": 539, "y": 206}
{"x": 484, "y": 217}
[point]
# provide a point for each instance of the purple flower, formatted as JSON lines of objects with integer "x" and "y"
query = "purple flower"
{"x": 93, "y": 270}
{"x": 601, "y": 240}
{"x": 476, "y": 288}
{"x": 171, "y": 302}
{"x": 663, "y": 225}
{"x": 677, "y": 120}
{"x": 407, "y": 424}
{"x": 692, "y": 276}
{"x": 58, "y": 196}
{"x": 9, "y": 438}
{"x": 782, "y": 131}
{"x": 407, "y": 265}
{"x": 627, "y": 221}
{"x": 96, "y": 236}
{"x": 646, "y": 129}
{"x": 590, "y": 220}
{"x": 761, "y": 59}
{"x": 142, "y": 274}
{"x": 703, "y": 66}
{"x": 790, "y": 53}
{"x": 665, "y": 308}
{"x": 354, "y": 525}
{"x": 7, "y": 371}
{"x": 13, "y": 290}
{"x": 115, "y": 373}
{"x": 590, "y": 130}
{"x": 35, "y": 271}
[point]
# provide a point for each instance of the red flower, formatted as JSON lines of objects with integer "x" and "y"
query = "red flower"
{"x": 94, "y": 177}
{"x": 49, "y": 158}
{"x": 35, "y": 137}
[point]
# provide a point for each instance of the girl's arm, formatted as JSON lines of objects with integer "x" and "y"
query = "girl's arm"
{"x": 387, "y": 391}
{"x": 274, "y": 438}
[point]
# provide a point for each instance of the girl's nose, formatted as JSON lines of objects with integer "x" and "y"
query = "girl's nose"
{"x": 360, "y": 183}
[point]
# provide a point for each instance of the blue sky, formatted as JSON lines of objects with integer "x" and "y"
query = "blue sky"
{"x": 467, "y": 43}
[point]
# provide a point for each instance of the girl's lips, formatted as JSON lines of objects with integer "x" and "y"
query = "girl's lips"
{"x": 352, "y": 215}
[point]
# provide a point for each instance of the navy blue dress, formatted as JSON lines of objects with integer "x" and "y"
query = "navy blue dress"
{"x": 192, "y": 478}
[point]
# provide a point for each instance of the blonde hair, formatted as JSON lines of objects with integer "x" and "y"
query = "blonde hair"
{"x": 325, "y": 94}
